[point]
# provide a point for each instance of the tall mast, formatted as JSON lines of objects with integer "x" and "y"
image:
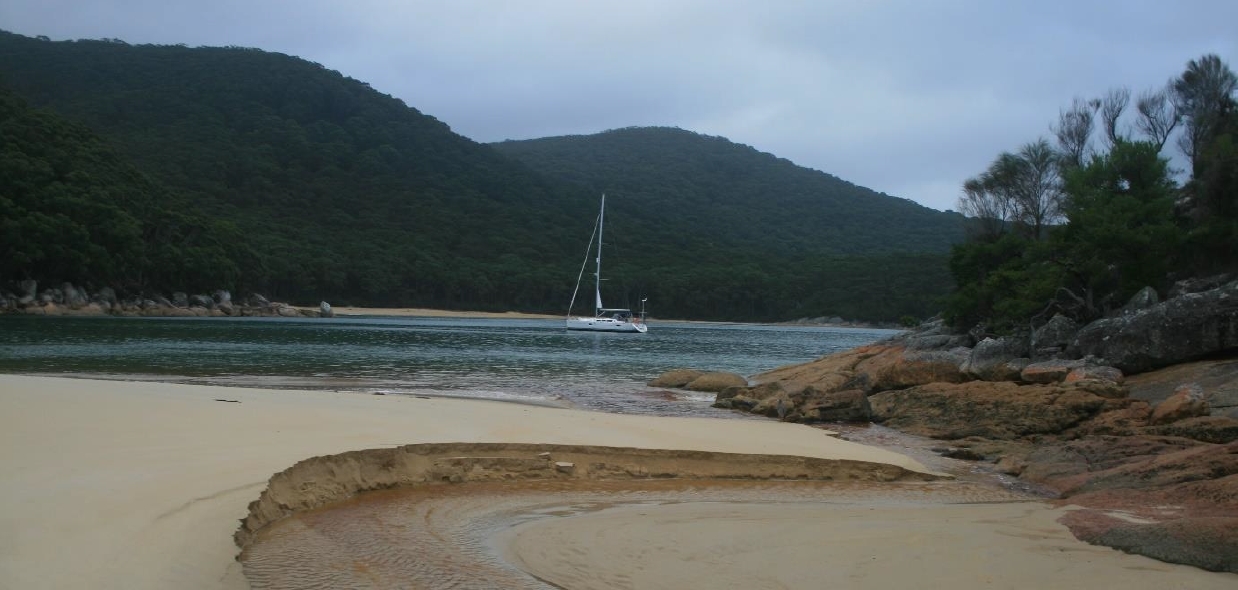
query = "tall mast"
{"x": 597, "y": 289}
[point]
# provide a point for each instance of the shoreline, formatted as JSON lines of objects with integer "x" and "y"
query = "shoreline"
{"x": 351, "y": 311}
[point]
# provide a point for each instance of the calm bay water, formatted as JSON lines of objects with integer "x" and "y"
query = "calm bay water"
{"x": 533, "y": 361}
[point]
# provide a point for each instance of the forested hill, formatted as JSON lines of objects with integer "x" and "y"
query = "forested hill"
{"x": 343, "y": 193}
{"x": 679, "y": 181}
{"x": 306, "y": 185}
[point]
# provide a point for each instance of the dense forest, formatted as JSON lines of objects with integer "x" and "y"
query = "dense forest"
{"x": 175, "y": 168}
{"x": 1080, "y": 223}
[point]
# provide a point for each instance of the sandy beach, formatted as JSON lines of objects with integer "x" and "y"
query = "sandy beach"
{"x": 112, "y": 484}
{"x": 437, "y": 313}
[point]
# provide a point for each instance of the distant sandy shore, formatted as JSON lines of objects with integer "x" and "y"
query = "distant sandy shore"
{"x": 110, "y": 484}
{"x": 437, "y": 313}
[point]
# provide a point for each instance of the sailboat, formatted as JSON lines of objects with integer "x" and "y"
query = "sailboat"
{"x": 605, "y": 319}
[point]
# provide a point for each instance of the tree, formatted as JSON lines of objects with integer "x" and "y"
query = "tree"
{"x": 988, "y": 210}
{"x": 1029, "y": 180}
{"x": 1158, "y": 116}
{"x": 1203, "y": 93}
{"x": 1112, "y": 105}
{"x": 1074, "y": 132}
{"x": 1121, "y": 234}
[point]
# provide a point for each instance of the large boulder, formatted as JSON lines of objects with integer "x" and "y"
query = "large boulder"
{"x": 899, "y": 369}
{"x": 74, "y": 298}
{"x": 850, "y": 405}
{"x": 1186, "y": 327}
{"x": 932, "y": 335}
{"x": 716, "y": 381}
{"x": 833, "y": 372}
{"x": 675, "y": 378}
{"x": 1145, "y": 298}
{"x": 1051, "y": 339}
{"x": 325, "y": 311}
{"x": 992, "y": 358}
{"x": 997, "y": 410}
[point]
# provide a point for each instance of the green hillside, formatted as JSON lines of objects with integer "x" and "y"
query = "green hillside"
{"x": 310, "y": 185}
{"x": 676, "y": 182}
{"x": 74, "y": 209}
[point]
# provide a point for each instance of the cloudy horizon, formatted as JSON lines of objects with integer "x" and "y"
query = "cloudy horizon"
{"x": 906, "y": 98}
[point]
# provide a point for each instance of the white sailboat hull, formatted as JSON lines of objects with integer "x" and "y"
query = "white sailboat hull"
{"x": 605, "y": 325}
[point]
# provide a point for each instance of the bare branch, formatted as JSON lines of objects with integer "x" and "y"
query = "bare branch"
{"x": 1111, "y": 108}
{"x": 1158, "y": 116}
{"x": 989, "y": 210}
{"x": 1073, "y": 131}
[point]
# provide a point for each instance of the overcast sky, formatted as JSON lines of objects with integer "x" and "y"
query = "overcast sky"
{"x": 907, "y": 97}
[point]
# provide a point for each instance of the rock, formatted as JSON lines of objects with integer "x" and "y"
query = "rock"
{"x": 832, "y": 372}
{"x": 1054, "y": 371}
{"x": 106, "y": 295}
{"x": 1011, "y": 465}
{"x": 1101, "y": 387}
{"x": 74, "y": 298}
{"x": 1206, "y": 542}
{"x": 221, "y": 297}
{"x": 325, "y": 311}
{"x": 834, "y": 406}
{"x": 1198, "y": 285}
{"x": 1067, "y": 467}
{"x": 898, "y": 369}
{"x": 1122, "y": 421}
{"x": 776, "y": 406}
{"x": 716, "y": 381}
{"x": 565, "y": 467}
{"x": 675, "y": 378}
{"x": 180, "y": 299}
{"x": 28, "y": 288}
{"x": 1145, "y": 298}
{"x": 225, "y": 307}
{"x": 1056, "y": 334}
{"x": 933, "y": 335}
{"x": 1218, "y": 377}
{"x": 1210, "y": 429}
{"x": 257, "y": 300}
{"x": 201, "y": 301}
{"x": 1186, "y": 327}
{"x": 738, "y": 402}
{"x": 287, "y": 311}
{"x": 996, "y": 410}
{"x": 1094, "y": 372}
{"x": 991, "y": 358}
{"x": 1187, "y": 401}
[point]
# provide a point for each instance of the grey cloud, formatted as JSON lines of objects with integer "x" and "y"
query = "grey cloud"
{"x": 903, "y": 96}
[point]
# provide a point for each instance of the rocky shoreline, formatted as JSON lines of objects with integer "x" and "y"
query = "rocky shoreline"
{"x": 1133, "y": 417}
{"x": 69, "y": 300}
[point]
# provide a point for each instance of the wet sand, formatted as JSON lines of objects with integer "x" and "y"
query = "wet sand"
{"x": 700, "y": 534}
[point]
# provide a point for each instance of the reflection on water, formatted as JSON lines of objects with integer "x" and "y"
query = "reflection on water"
{"x": 521, "y": 360}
